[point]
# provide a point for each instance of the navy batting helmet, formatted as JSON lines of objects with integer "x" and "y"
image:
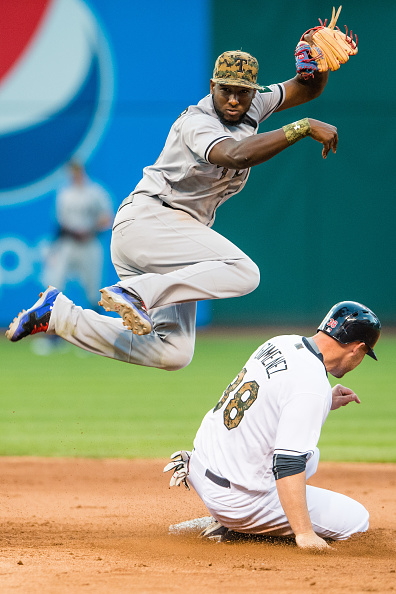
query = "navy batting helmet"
{"x": 349, "y": 321}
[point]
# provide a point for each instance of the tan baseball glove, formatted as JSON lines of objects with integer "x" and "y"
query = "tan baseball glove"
{"x": 324, "y": 47}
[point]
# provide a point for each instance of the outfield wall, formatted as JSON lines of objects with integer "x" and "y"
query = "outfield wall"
{"x": 320, "y": 231}
{"x": 98, "y": 81}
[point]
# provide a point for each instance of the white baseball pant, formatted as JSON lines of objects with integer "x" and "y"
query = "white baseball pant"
{"x": 333, "y": 515}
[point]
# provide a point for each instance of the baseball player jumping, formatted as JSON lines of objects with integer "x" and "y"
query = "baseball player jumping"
{"x": 255, "y": 450}
{"x": 163, "y": 248}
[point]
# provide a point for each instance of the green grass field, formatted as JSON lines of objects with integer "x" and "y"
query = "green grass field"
{"x": 72, "y": 403}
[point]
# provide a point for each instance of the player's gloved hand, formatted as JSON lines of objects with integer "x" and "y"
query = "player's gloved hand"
{"x": 312, "y": 542}
{"x": 306, "y": 64}
{"x": 179, "y": 466}
{"x": 324, "y": 48}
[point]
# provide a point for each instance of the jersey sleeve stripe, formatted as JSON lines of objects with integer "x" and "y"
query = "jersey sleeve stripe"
{"x": 292, "y": 452}
{"x": 210, "y": 146}
{"x": 281, "y": 96}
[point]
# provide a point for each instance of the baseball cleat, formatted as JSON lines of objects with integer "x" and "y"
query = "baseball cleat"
{"x": 130, "y": 307}
{"x": 215, "y": 531}
{"x": 35, "y": 319}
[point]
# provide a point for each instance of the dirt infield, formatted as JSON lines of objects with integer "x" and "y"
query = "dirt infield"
{"x": 101, "y": 526}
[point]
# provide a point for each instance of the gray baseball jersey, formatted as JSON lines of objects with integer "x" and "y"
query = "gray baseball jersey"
{"x": 183, "y": 176}
{"x": 172, "y": 256}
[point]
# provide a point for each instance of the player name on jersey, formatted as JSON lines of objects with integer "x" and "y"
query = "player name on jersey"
{"x": 271, "y": 358}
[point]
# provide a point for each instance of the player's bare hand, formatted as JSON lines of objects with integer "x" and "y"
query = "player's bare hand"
{"x": 343, "y": 396}
{"x": 312, "y": 542}
{"x": 326, "y": 134}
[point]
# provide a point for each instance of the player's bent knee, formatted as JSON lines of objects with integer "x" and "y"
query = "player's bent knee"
{"x": 356, "y": 521}
{"x": 249, "y": 276}
{"x": 334, "y": 515}
{"x": 360, "y": 520}
{"x": 176, "y": 359}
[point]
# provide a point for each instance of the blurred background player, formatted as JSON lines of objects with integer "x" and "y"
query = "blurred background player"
{"x": 255, "y": 450}
{"x": 83, "y": 211}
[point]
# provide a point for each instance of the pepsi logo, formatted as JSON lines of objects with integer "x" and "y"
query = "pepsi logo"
{"x": 56, "y": 90}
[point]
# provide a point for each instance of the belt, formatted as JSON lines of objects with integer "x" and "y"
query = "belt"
{"x": 222, "y": 482}
{"x": 130, "y": 199}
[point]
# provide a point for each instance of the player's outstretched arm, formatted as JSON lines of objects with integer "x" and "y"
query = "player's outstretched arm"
{"x": 241, "y": 154}
{"x": 292, "y": 495}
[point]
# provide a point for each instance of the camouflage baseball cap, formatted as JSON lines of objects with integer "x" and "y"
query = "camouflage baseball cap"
{"x": 236, "y": 68}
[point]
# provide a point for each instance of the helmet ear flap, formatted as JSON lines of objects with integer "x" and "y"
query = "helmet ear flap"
{"x": 349, "y": 321}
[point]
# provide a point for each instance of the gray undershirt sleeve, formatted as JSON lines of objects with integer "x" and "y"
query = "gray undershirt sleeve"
{"x": 283, "y": 465}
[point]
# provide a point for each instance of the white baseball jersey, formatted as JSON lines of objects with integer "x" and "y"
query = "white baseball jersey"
{"x": 183, "y": 176}
{"x": 277, "y": 404}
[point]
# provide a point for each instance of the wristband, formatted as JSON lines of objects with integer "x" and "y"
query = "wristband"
{"x": 297, "y": 130}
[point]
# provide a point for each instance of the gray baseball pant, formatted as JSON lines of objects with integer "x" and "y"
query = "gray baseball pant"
{"x": 171, "y": 261}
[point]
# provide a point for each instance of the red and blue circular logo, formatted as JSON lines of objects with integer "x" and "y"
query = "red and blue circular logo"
{"x": 56, "y": 90}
